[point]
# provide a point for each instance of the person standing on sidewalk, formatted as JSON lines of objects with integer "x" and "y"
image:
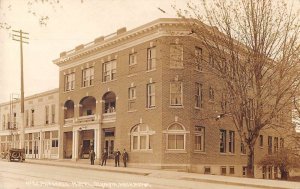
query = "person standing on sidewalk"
{"x": 92, "y": 157}
{"x": 125, "y": 157}
{"x": 117, "y": 158}
{"x": 104, "y": 157}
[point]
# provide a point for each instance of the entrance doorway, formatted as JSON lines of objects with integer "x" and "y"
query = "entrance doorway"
{"x": 86, "y": 140}
{"x": 109, "y": 141}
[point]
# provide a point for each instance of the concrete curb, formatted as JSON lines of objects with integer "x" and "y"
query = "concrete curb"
{"x": 231, "y": 183}
{"x": 89, "y": 168}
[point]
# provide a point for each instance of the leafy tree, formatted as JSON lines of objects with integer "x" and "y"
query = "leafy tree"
{"x": 253, "y": 49}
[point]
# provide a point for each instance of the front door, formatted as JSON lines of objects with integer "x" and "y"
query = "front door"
{"x": 109, "y": 141}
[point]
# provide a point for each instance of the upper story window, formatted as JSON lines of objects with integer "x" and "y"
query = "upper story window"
{"x": 3, "y": 122}
{"x": 261, "y": 140}
{"x": 176, "y": 93}
{"x": 243, "y": 148}
{"x": 53, "y": 113}
{"x": 109, "y": 71}
{"x": 131, "y": 98}
{"x": 88, "y": 77}
{"x": 198, "y": 95}
{"x": 150, "y": 95}
{"x": 151, "y": 58}
{"x": 199, "y": 138}
{"x": 70, "y": 82}
{"x": 270, "y": 146}
{"x": 26, "y": 118}
{"x": 32, "y": 117}
{"x": 222, "y": 141}
{"x": 176, "y": 56}
{"x": 276, "y": 144}
{"x": 198, "y": 58}
{"x": 46, "y": 114}
{"x": 211, "y": 94}
{"x": 132, "y": 59}
{"x": 224, "y": 103}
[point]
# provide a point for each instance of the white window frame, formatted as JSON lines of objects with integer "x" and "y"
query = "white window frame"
{"x": 70, "y": 82}
{"x": 132, "y": 59}
{"x": 198, "y": 58}
{"x": 151, "y": 58}
{"x": 176, "y": 56}
{"x": 200, "y": 132}
{"x": 172, "y": 93}
{"x": 88, "y": 77}
{"x": 109, "y": 71}
{"x": 223, "y": 134}
{"x": 139, "y": 133}
{"x": 178, "y": 132}
{"x": 198, "y": 95}
{"x": 150, "y": 95}
{"x": 231, "y": 142}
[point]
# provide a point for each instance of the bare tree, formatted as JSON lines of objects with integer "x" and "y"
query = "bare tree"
{"x": 253, "y": 48}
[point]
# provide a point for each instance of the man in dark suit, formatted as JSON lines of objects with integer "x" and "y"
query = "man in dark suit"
{"x": 92, "y": 157}
{"x": 104, "y": 157}
{"x": 117, "y": 158}
{"x": 125, "y": 158}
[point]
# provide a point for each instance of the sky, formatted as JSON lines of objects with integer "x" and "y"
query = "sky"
{"x": 70, "y": 23}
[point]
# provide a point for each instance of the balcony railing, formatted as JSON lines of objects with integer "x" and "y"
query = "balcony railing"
{"x": 109, "y": 117}
{"x": 69, "y": 121}
{"x": 87, "y": 118}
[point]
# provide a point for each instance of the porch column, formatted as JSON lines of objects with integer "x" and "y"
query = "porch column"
{"x": 97, "y": 145}
{"x": 40, "y": 145}
{"x": 75, "y": 145}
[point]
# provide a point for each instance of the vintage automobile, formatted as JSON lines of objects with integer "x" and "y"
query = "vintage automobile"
{"x": 15, "y": 154}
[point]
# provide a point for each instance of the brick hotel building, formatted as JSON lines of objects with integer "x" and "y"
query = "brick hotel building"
{"x": 142, "y": 90}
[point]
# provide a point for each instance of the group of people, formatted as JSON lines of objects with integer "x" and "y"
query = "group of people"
{"x": 104, "y": 157}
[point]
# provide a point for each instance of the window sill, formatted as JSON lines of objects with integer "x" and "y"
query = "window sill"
{"x": 134, "y": 64}
{"x": 131, "y": 75}
{"x": 198, "y": 108}
{"x": 176, "y": 151}
{"x": 151, "y": 70}
{"x": 243, "y": 154}
{"x": 199, "y": 152}
{"x": 142, "y": 151}
{"x": 151, "y": 108}
{"x": 109, "y": 81}
{"x": 181, "y": 106}
{"x": 131, "y": 111}
{"x": 69, "y": 91}
{"x": 83, "y": 87}
{"x": 177, "y": 68}
{"x": 211, "y": 101}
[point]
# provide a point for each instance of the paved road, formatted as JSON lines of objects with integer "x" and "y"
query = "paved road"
{"x": 14, "y": 175}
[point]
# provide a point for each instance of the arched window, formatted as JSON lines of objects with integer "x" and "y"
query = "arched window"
{"x": 176, "y": 137}
{"x": 141, "y": 137}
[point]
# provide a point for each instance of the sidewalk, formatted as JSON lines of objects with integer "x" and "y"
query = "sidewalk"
{"x": 238, "y": 181}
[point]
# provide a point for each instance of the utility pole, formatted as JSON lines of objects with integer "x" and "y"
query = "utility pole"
{"x": 21, "y": 37}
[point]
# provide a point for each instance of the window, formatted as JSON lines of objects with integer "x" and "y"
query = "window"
{"x": 244, "y": 171}
{"x": 88, "y": 77}
{"x": 211, "y": 94}
{"x": 3, "y": 122}
{"x": 281, "y": 143}
{"x": 231, "y": 142}
{"x": 15, "y": 120}
{"x": 27, "y": 118}
{"x": 261, "y": 140}
{"x": 223, "y": 170}
{"x": 141, "y": 137}
{"x": 199, "y": 138}
{"x": 46, "y": 114}
{"x": 132, "y": 59}
{"x": 109, "y": 71}
{"x": 54, "y": 143}
{"x": 243, "y": 148}
{"x": 131, "y": 98}
{"x": 151, "y": 58}
{"x": 270, "y": 145}
{"x": 150, "y": 95}
{"x": 198, "y": 58}
{"x": 70, "y": 82}
{"x": 211, "y": 61}
{"x": 224, "y": 103}
{"x": 231, "y": 170}
{"x": 198, "y": 95}
{"x": 176, "y": 137}
{"x": 176, "y": 56}
{"x": 176, "y": 93}
{"x": 32, "y": 117}
{"x": 53, "y": 113}
{"x": 275, "y": 144}
{"x": 222, "y": 141}
{"x": 206, "y": 170}
{"x": 264, "y": 172}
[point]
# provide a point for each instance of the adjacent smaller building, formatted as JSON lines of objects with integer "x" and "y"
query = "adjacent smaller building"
{"x": 41, "y": 125}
